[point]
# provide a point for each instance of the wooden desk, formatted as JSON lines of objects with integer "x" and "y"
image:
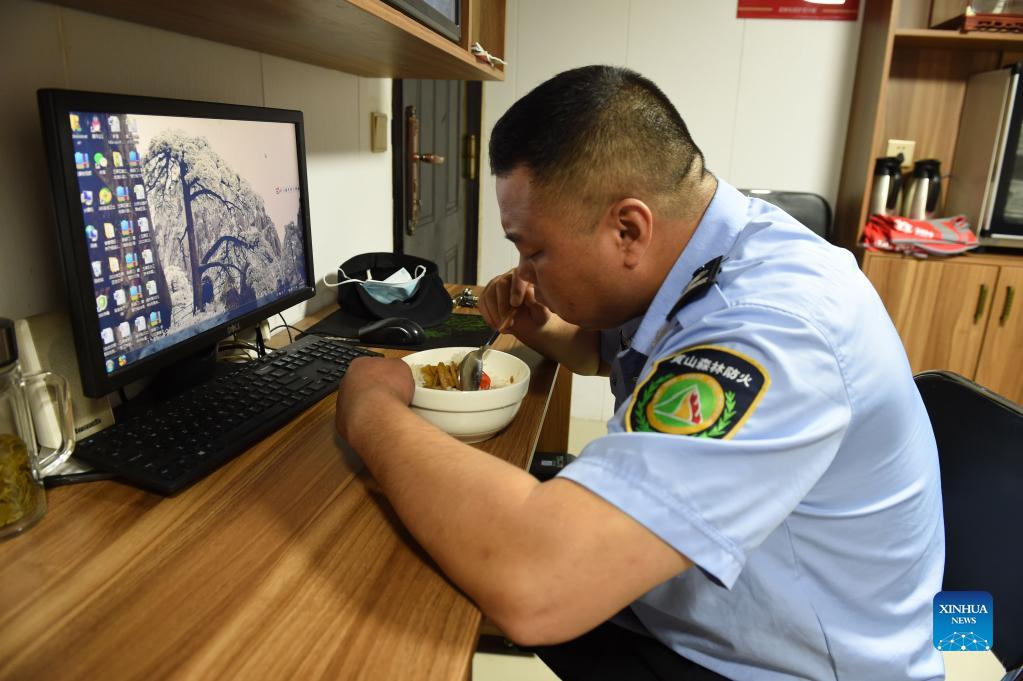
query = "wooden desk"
{"x": 287, "y": 563}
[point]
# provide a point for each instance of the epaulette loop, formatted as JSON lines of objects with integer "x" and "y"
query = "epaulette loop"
{"x": 703, "y": 278}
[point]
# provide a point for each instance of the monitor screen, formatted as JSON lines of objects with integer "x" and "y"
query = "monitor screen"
{"x": 181, "y": 221}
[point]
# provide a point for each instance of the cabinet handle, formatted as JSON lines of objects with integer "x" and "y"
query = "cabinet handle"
{"x": 981, "y": 300}
{"x": 1010, "y": 293}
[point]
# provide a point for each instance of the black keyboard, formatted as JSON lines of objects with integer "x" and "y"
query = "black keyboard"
{"x": 181, "y": 441}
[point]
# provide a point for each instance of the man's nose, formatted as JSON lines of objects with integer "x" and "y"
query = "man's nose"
{"x": 524, "y": 271}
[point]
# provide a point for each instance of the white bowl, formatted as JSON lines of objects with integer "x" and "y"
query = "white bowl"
{"x": 471, "y": 416}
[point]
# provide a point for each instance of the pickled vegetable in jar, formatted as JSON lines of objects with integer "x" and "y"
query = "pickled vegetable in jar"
{"x": 21, "y": 494}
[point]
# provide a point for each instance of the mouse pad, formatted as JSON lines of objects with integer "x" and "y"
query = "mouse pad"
{"x": 456, "y": 330}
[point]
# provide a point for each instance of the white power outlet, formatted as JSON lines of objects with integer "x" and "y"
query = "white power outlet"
{"x": 904, "y": 147}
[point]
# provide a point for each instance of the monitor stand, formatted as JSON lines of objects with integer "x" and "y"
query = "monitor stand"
{"x": 172, "y": 380}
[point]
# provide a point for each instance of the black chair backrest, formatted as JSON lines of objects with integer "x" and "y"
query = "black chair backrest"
{"x": 980, "y": 450}
{"x": 810, "y": 209}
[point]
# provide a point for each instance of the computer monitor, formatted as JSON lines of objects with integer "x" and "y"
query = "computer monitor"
{"x": 179, "y": 223}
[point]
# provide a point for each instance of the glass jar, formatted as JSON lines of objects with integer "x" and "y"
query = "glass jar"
{"x": 35, "y": 411}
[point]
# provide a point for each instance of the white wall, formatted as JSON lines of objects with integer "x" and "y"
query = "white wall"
{"x": 766, "y": 100}
{"x": 43, "y": 45}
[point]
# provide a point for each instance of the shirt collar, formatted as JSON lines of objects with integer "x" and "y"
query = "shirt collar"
{"x": 714, "y": 236}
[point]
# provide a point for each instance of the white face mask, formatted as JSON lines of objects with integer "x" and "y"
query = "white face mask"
{"x": 398, "y": 287}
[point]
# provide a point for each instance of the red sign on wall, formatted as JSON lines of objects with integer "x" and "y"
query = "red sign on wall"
{"x": 799, "y": 9}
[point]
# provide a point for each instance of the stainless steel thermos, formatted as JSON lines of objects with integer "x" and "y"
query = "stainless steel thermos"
{"x": 884, "y": 199}
{"x": 923, "y": 189}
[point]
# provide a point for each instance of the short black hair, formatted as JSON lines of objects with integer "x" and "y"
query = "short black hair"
{"x": 596, "y": 130}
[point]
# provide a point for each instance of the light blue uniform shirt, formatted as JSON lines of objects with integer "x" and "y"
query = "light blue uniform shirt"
{"x": 817, "y": 525}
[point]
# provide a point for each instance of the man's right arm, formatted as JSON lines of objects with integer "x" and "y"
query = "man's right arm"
{"x": 576, "y": 348}
{"x": 532, "y": 323}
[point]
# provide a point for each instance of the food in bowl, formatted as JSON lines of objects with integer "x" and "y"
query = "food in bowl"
{"x": 471, "y": 416}
{"x": 439, "y": 376}
{"x": 444, "y": 376}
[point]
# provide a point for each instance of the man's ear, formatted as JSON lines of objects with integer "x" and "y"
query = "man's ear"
{"x": 633, "y": 222}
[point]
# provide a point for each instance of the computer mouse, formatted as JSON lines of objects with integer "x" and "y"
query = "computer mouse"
{"x": 392, "y": 331}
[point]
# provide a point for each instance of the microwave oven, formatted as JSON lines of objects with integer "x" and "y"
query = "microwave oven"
{"x": 443, "y": 16}
{"x": 986, "y": 182}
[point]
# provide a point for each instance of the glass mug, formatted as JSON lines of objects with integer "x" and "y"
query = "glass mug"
{"x": 36, "y": 435}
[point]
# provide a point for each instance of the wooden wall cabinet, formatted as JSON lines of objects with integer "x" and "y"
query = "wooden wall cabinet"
{"x": 910, "y": 85}
{"x": 940, "y": 309}
{"x": 362, "y": 37}
{"x": 959, "y": 314}
{"x": 1001, "y": 358}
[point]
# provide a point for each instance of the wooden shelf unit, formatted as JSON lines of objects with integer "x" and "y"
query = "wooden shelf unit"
{"x": 362, "y": 37}
{"x": 954, "y": 40}
{"x": 910, "y": 84}
{"x": 953, "y": 313}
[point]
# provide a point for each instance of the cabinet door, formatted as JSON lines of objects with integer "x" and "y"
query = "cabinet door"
{"x": 1001, "y": 360}
{"x": 940, "y": 308}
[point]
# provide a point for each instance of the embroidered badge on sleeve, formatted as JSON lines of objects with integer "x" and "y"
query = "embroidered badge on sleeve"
{"x": 703, "y": 391}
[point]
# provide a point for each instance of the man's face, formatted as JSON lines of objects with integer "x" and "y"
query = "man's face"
{"x": 570, "y": 268}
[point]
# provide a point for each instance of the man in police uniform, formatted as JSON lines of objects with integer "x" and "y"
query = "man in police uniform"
{"x": 766, "y": 504}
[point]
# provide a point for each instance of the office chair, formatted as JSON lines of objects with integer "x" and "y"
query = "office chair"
{"x": 980, "y": 453}
{"x": 809, "y": 209}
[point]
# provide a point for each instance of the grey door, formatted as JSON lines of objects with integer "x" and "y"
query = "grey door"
{"x": 442, "y": 228}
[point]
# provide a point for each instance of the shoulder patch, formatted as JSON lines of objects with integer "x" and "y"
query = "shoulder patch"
{"x": 704, "y": 391}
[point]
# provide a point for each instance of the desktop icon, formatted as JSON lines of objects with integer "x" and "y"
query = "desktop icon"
{"x": 151, "y": 287}
{"x": 101, "y": 303}
{"x": 95, "y": 125}
{"x": 114, "y": 123}
{"x": 123, "y": 331}
{"x": 122, "y": 360}
{"x": 108, "y": 229}
{"x": 107, "y": 336}
{"x": 119, "y": 297}
{"x": 143, "y": 224}
{"x": 81, "y": 161}
{"x": 105, "y": 196}
{"x": 91, "y": 234}
{"x": 140, "y": 323}
{"x": 117, "y": 158}
{"x": 110, "y": 365}
{"x": 125, "y": 228}
{"x": 147, "y": 256}
{"x": 97, "y": 268}
{"x": 134, "y": 292}
{"x": 122, "y": 194}
{"x": 140, "y": 193}
{"x": 114, "y": 264}
{"x": 86, "y": 198}
{"x": 133, "y": 156}
{"x": 131, "y": 260}
{"x": 133, "y": 125}
{"x": 99, "y": 160}
{"x": 76, "y": 122}
{"x": 154, "y": 318}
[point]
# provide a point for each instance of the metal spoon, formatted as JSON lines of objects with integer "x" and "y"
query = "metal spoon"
{"x": 470, "y": 369}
